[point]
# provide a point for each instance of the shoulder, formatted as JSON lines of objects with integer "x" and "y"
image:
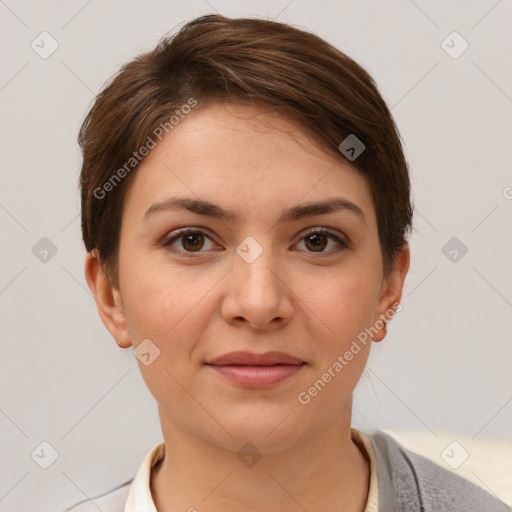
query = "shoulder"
{"x": 409, "y": 481}
{"x": 113, "y": 501}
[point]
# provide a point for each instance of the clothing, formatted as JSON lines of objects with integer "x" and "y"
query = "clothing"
{"x": 400, "y": 481}
{"x": 409, "y": 482}
{"x": 140, "y": 499}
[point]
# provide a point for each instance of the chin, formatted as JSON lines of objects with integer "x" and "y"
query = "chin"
{"x": 271, "y": 428}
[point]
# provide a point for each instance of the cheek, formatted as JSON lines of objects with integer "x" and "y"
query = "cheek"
{"x": 172, "y": 309}
{"x": 345, "y": 304}
{"x": 165, "y": 304}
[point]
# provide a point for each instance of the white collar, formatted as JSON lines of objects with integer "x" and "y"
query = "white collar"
{"x": 140, "y": 498}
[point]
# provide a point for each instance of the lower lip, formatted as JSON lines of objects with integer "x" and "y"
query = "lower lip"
{"x": 258, "y": 376}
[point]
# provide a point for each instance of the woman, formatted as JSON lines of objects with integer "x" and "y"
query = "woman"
{"x": 245, "y": 208}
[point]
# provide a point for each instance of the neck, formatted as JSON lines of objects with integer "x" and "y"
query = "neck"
{"x": 327, "y": 472}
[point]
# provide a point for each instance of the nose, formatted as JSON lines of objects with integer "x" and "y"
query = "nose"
{"x": 257, "y": 294}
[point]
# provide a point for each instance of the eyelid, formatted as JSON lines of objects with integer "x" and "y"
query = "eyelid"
{"x": 341, "y": 239}
{"x": 180, "y": 232}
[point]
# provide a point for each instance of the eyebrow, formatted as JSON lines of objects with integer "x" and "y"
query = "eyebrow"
{"x": 202, "y": 207}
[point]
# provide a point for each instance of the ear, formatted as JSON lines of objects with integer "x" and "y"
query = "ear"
{"x": 108, "y": 300}
{"x": 391, "y": 292}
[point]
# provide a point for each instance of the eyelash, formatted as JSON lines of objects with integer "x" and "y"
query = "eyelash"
{"x": 344, "y": 244}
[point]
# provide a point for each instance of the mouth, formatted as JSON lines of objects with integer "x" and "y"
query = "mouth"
{"x": 252, "y": 370}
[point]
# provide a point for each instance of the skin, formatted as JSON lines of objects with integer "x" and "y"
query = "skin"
{"x": 292, "y": 298}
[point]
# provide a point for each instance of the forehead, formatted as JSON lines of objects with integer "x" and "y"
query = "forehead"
{"x": 247, "y": 158}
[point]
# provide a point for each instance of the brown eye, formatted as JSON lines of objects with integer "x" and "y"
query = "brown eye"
{"x": 189, "y": 241}
{"x": 192, "y": 241}
{"x": 316, "y": 242}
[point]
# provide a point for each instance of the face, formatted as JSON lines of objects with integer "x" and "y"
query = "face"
{"x": 269, "y": 275}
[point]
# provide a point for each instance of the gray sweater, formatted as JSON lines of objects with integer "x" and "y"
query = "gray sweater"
{"x": 408, "y": 482}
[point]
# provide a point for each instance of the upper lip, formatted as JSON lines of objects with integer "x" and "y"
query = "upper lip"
{"x": 253, "y": 359}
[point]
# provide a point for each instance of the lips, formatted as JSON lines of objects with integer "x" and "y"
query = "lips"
{"x": 252, "y": 370}
{"x": 243, "y": 358}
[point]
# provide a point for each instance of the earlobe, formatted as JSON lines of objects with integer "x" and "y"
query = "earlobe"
{"x": 382, "y": 325}
{"x": 108, "y": 300}
{"x": 389, "y": 302}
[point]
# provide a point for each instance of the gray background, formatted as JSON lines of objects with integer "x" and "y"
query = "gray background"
{"x": 445, "y": 365}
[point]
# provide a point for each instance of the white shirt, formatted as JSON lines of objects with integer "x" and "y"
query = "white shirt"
{"x": 135, "y": 496}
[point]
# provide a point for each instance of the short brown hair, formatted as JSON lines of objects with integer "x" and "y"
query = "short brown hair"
{"x": 215, "y": 59}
